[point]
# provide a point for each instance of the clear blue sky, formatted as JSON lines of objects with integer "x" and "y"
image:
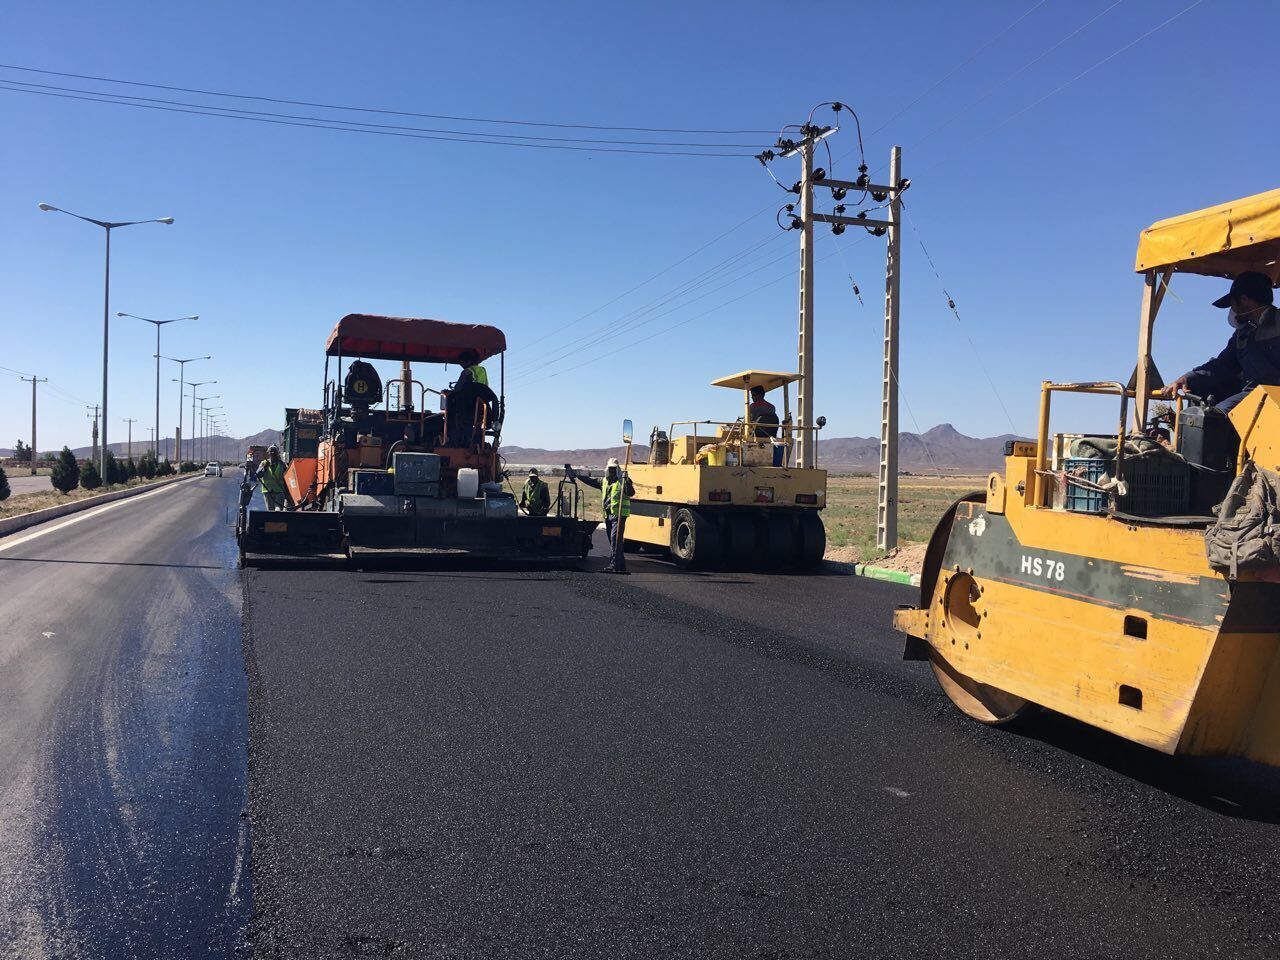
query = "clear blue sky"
{"x": 1029, "y": 198}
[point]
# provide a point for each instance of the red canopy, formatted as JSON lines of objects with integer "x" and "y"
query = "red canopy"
{"x": 410, "y": 338}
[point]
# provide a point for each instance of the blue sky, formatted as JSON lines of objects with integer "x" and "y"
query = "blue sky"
{"x": 1029, "y": 189}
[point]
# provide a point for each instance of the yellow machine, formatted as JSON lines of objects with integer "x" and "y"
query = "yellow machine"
{"x": 1083, "y": 585}
{"x": 727, "y": 491}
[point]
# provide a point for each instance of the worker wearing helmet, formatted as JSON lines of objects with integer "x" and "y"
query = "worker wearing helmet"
{"x": 1252, "y": 355}
{"x": 615, "y": 504}
{"x": 535, "y": 497}
{"x": 271, "y": 474}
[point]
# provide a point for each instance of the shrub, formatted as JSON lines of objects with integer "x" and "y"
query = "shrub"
{"x": 4, "y": 485}
{"x": 66, "y": 472}
{"x": 164, "y": 468}
{"x": 113, "y": 473}
{"x": 130, "y": 469}
{"x": 90, "y": 479}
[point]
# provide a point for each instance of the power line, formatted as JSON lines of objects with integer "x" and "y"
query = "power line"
{"x": 398, "y": 113}
{"x": 362, "y": 124}
{"x": 7, "y": 86}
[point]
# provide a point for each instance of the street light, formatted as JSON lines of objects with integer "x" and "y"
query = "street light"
{"x": 182, "y": 394}
{"x": 107, "y": 226}
{"x": 155, "y": 450}
{"x": 193, "y": 413}
{"x": 205, "y": 421}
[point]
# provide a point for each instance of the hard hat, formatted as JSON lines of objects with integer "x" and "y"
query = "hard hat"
{"x": 533, "y": 471}
{"x": 613, "y": 462}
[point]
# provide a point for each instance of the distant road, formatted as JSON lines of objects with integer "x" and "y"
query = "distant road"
{"x": 123, "y": 731}
{"x": 27, "y": 483}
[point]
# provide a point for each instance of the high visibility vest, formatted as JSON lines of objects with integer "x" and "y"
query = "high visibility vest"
{"x": 479, "y": 374}
{"x": 273, "y": 477}
{"x": 614, "y": 500}
{"x": 538, "y": 496}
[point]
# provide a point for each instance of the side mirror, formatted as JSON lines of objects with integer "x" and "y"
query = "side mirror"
{"x": 628, "y": 429}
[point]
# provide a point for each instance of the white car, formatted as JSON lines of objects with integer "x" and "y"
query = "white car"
{"x": 213, "y": 470}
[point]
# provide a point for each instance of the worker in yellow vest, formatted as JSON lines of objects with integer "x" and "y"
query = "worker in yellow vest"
{"x": 616, "y": 491}
{"x": 472, "y": 372}
{"x": 271, "y": 474}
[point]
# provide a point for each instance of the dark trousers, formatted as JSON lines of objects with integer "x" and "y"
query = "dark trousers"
{"x": 613, "y": 528}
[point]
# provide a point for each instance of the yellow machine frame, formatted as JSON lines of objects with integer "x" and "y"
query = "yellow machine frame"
{"x": 1116, "y": 622}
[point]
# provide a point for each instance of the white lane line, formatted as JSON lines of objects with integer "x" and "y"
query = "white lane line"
{"x": 897, "y": 792}
{"x": 8, "y": 543}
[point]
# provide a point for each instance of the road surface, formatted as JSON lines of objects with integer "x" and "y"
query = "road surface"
{"x": 22, "y": 482}
{"x": 123, "y": 732}
{"x": 455, "y": 761}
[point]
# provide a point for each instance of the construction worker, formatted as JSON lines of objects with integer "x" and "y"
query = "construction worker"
{"x": 763, "y": 414}
{"x": 271, "y": 473}
{"x": 1252, "y": 355}
{"x": 615, "y": 504}
{"x": 472, "y": 372}
{"x": 535, "y": 496}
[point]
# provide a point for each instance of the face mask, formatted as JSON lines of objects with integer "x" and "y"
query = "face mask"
{"x": 1247, "y": 320}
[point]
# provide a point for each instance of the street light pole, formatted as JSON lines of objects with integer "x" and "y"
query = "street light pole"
{"x": 193, "y": 417}
{"x": 182, "y": 393}
{"x": 107, "y": 226}
{"x": 155, "y": 452}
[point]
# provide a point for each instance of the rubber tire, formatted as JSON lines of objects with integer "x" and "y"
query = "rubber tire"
{"x": 741, "y": 546}
{"x": 813, "y": 540}
{"x": 783, "y": 537}
{"x": 695, "y": 541}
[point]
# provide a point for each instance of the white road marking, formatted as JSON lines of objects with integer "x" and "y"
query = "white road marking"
{"x": 242, "y": 846}
{"x": 48, "y": 634}
{"x": 7, "y": 543}
{"x": 897, "y": 792}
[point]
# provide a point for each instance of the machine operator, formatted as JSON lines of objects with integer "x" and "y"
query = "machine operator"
{"x": 535, "y": 496}
{"x": 1252, "y": 354}
{"x": 472, "y": 371}
{"x": 615, "y": 504}
{"x": 763, "y": 414}
{"x": 271, "y": 474}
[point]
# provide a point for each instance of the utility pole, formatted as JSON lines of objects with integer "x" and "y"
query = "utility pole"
{"x": 95, "y": 432}
{"x": 130, "y": 421}
{"x": 810, "y": 135}
{"x": 34, "y": 455}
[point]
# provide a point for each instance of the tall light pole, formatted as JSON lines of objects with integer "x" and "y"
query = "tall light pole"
{"x": 158, "y": 324}
{"x": 208, "y": 430}
{"x": 130, "y": 421}
{"x": 107, "y": 227}
{"x": 202, "y": 400}
{"x": 182, "y": 395}
{"x": 193, "y": 416}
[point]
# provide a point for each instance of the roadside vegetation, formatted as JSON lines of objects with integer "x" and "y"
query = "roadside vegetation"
{"x": 71, "y": 480}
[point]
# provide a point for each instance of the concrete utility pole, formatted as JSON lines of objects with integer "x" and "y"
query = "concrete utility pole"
{"x": 807, "y": 454}
{"x": 95, "y": 434}
{"x": 130, "y": 421}
{"x": 34, "y": 455}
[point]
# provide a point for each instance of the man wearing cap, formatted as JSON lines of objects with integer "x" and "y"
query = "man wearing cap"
{"x": 271, "y": 473}
{"x": 615, "y": 504}
{"x": 535, "y": 497}
{"x": 1252, "y": 355}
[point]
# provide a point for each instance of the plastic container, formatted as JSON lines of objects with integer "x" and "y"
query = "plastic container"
{"x": 468, "y": 483}
{"x": 779, "y": 454}
{"x": 1158, "y": 487}
{"x": 1081, "y": 499}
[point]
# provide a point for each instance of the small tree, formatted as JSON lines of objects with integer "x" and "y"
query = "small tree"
{"x": 90, "y": 479}
{"x": 110, "y": 475}
{"x": 4, "y": 485}
{"x": 130, "y": 469}
{"x": 147, "y": 466}
{"x": 22, "y": 453}
{"x": 66, "y": 472}
{"x": 165, "y": 468}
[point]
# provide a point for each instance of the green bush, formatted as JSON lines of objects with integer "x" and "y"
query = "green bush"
{"x": 114, "y": 473}
{"x": 164, "y": 468}
{"x": 130, "y": 469}
{"x": 66, "y": 472}
{"x": 90, "y": 479}
{"x": 4, "y": 485}
{"x": 187, "y": 466}
{"x": 146, "y": 466}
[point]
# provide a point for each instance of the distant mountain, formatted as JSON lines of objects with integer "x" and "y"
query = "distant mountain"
{"x": 942, "y": 449}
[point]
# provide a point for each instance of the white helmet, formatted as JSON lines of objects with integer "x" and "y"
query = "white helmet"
{"x": 613, "y": 462}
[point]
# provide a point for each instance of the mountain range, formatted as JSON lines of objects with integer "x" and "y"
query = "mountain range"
{"x": 940, "y": 450}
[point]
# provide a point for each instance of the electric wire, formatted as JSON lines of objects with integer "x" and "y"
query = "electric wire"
{"x": 387, "y": 112}
{"x": 7, "y": 86}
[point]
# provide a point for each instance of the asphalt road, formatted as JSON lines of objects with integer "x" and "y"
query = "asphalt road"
{"x": 123, "y": 732}
{"x": 460, "y": 762}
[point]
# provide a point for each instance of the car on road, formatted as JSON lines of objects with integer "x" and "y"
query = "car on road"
{"x": 213, "y": 470}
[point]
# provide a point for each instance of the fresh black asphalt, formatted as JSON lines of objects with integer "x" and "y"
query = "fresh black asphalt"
{"x": 458, "y": 762}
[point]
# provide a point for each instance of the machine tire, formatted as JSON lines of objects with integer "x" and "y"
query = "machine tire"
{"x": 979, "y": 701}
{"x": 741, "y": 548}
{"x": 813, "y": 540}
{"x": 695, "y": 542}
{"x": 783, "y": 537}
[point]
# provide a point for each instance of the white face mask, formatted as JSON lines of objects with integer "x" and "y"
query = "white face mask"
{"x": 1250, "y": 318}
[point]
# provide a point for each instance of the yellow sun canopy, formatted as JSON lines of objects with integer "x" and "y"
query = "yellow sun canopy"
{"x": 756, "y": 378}
{"x": 1220, "y": 241}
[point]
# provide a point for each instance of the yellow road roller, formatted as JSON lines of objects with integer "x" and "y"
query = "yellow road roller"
{"x": 1128, "y": 580}
{"x": 717, "y": 492}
